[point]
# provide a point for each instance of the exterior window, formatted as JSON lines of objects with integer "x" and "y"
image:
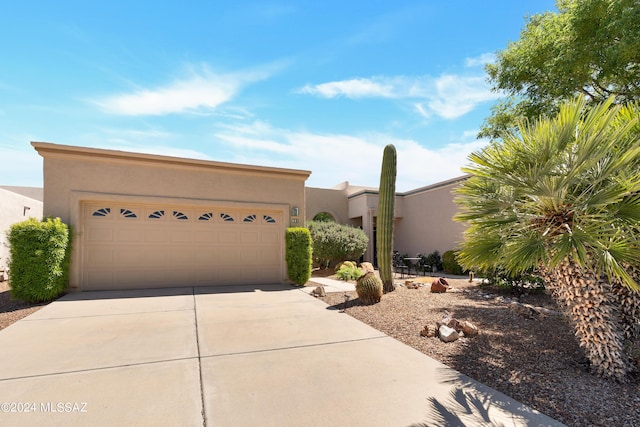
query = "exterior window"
{"x": 269, "y": 219}
{"x": 102, "y": 212}
{"x": 206, "y": 216}
{"x": 156, "y": 215}
{"x": 179, "y": 215}
{"x": 249, "y": 218}
{"x": 127, "y": 213}
{"x": 226, "y": 217}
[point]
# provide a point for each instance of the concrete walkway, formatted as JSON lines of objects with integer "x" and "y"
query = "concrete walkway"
{"x": 231, "y": 356}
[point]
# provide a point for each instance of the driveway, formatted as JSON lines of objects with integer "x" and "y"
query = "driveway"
{"x": 230, "y": 356}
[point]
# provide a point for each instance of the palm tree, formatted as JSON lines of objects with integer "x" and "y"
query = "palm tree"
{"x": 562, "y": 195}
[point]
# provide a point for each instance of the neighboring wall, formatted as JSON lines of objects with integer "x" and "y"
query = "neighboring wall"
{"x": 16, "y": 205}
{"x": 428, "y": 223}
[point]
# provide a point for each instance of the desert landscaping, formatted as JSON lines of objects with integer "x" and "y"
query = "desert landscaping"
{"x": 528, "y": 354}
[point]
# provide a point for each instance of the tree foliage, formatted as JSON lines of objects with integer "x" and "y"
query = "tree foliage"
{"x": 562, "y": 187}
{"x": 333, "y": 242}
{"x": 588, "y": 47}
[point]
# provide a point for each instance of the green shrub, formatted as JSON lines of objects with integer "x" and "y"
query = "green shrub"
{"x": 348, "y": 271}
{"x": 334, "y": 242}
{"x": 518, "y": 284}
{"x": 450, "y": 264}
{"x": 432, "y": 259}
{"x": 39, "y": 259}
{"x": 298, "y": 254}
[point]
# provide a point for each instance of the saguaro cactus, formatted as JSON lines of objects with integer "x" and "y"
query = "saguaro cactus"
{"x": 384, "y": 228}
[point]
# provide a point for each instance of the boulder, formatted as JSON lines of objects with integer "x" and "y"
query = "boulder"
{"x": 439, "y": 285}
{"x": 447, "y": 334}
{"x": 366, "y": 267}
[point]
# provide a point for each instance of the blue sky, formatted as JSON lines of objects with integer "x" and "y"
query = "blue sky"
{"x": 314, "y": 85}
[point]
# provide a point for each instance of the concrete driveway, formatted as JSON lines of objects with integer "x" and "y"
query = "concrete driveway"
{"x": 231, "y": 356}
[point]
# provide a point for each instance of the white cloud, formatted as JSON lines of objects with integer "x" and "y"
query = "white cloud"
{"x": 354, "y": 88}
{"x": 333, "y": 158}
{"x": 448, "y": 96}
{"x": 455, "y": 96}
{"x": 200, "y": 89}
{"x": 480, "y": 61}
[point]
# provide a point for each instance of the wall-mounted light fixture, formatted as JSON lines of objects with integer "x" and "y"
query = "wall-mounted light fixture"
{"x": 25, "y": 210}
{"x": 294, "y": 211}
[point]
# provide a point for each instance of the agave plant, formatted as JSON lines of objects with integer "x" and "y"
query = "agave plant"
{"x": 562, "y": 195}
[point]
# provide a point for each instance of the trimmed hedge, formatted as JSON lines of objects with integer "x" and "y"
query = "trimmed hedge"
{"x": 39, "y": 259}
{"x": 333, "y": 242}
{"x": 450, "y": 264}
{"x": 298, "y": 255}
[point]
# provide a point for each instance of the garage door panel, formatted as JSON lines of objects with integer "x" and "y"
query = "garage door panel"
{"x": 99, "y": 256}
{"x": 248, "y": 237}
{"x": 229, "y": 255}
{"x": 100, "y": 235}
{"x": 159, "y": 246}
{"x": 156, "y": 236}
{"x": 269, "y": 237}
{"x": 269, "y": 256}
{"x": 227, "y": 236}
{"x": 181, "y": 236}
{"x": 157, "y": 255}
{"x": 183, "y": 255}
{"x": 128, "y": 256}
{"x": 206, "y": 236}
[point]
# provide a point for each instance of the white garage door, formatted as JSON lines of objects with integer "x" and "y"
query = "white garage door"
{"x": 147, "y": 246}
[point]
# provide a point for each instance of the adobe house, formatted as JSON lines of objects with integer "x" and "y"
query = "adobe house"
{"x": 423, "y": 217}
{"x": 149, "y": 221}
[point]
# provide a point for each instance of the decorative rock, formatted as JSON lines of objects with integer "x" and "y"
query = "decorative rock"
{"x": 428, "y": 332}
{"x": 439, "y": 285}
{"x": 469, "y": 329}
{"x": 366, "y": 267}
{"x": 319, "y": 292}
{"x": 448, "y": 334}
{"x": 411, "y": 285}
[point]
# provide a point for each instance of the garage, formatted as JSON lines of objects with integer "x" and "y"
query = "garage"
{"x": 144, "y": 220}
{"x": 147, "y": 246}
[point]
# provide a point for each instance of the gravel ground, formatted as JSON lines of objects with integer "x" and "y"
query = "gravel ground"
{"x": 534, "y": 359}
{"x": 13, "y": 310}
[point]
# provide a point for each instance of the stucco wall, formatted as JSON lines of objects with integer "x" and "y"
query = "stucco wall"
{"x": 64, "y": 174}
{"x": 75, "y": 175}
{"x": 428, "y": 223}
{"x": 328, "y": 200}
{"x": 12, "y": 210}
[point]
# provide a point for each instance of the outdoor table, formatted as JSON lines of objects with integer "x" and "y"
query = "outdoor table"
{"x": 410, "y": 262}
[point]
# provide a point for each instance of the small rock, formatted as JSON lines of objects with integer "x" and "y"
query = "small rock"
{"x": 428, "y": 332}
{"x": 469, "y": 329}
{"x": 448, "y": 334}
{"x": 412, "y": 285}
{"x": 319, "y": 292}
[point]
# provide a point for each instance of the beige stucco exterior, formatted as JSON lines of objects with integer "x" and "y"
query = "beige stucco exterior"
{"x": 423, "y": 217}
{"x": 77, "y": 176}
{"x": 16, "y": 204}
